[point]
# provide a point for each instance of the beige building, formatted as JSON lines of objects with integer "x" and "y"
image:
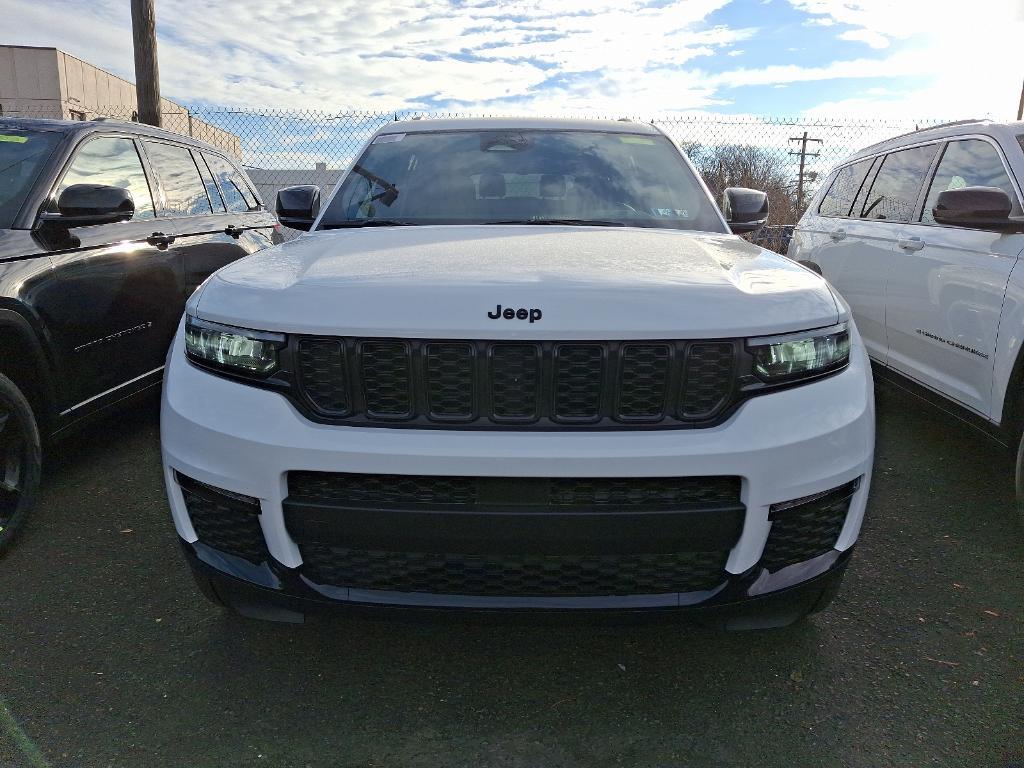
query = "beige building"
{"x": 49, "y": 83}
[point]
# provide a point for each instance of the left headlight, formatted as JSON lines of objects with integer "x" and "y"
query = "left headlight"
{"x": 236, "y": 350}
{"x": 801, "y": 355}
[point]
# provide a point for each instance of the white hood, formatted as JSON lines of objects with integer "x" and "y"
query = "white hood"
{"x": 586, "y": 282}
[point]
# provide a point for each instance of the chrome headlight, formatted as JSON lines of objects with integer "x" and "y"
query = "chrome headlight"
{"x": 801, "y": 355}
{"x": 236, "y": 350}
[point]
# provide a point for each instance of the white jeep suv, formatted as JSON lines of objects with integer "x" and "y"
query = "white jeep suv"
{"x": 519, "y": 364}
{"x": 923, "y": 236}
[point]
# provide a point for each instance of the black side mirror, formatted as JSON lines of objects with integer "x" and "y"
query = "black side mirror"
{"x": 85, "y": 205}
{"x": 977, "y": 207}
{"x": 298, "y": 207}
{"x": 746, "y": 210}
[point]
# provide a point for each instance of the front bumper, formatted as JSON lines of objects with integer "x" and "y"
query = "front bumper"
{"x": 783, "y": 446}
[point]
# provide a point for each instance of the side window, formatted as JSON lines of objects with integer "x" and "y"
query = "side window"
{"x": 869, "y": 179}
{"x": 184, "y": 191}
{"x": 969, "y": 163}
{"x": 211, "y": 186}
{"x": 232, "y": 184}
{"x": 839, "y": 199}
{"x": 112, "y": 161}
{"x": 894, "y": 192}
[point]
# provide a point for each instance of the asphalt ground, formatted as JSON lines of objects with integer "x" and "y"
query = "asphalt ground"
{"x": 109, "y": 656}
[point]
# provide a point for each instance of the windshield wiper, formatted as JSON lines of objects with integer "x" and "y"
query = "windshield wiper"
{"x": 369, "y": 223}
{"x": 562, "y": 222}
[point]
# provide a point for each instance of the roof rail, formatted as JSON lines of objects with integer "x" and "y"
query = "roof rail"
{"x": 925, "y": 128}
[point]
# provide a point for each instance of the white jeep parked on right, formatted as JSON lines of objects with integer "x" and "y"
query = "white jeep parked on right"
{"x": 923, "y": 235}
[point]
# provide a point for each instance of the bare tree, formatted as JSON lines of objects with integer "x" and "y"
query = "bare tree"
{"x": 747, "y": 165}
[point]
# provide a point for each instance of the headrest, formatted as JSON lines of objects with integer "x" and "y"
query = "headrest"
{"x": 492, "y": 185}
{"x": 552, "y": 185}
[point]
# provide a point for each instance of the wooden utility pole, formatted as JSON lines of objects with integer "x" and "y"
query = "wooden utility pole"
{"x": 804, "y": 154}
{"x": 147, "y": 74}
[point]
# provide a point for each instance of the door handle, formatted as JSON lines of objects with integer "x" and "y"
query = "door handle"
{"x": 837, "y": 235}
{"x": 235, "y": 232}
{"x": 160, "y": 240}
{"x": 910, "y": 243}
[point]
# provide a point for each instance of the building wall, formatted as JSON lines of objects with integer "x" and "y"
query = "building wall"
{"x": 49, "y": 83}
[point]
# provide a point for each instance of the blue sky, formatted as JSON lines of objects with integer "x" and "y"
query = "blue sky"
{"x": 837, "y": 58}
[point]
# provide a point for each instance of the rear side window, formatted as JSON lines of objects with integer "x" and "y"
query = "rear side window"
{"x": 237, "y": 195}
{"x": 184, "y": 191}
{"x": 112, "y": 161}
{"x": 896, "y": 187}
{"x": 839, "y": 199}
{"x": 211, "y": 186}
{"x": 969, "y": 163}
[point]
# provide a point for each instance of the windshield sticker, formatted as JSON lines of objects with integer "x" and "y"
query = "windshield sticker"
{"x": 389, "y": 138}
{"x": 13, "y": 139}
{"x": 636, "y": 140}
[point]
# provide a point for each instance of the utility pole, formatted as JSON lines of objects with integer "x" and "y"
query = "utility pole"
{"x": 147, "y": 74}
{"x": 804, "y": 154}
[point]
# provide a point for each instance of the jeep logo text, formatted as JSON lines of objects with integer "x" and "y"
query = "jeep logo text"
{"x": 516, "y": 314}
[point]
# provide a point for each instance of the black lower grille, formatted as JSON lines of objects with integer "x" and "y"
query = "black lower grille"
{"x": 226, "y": 521}
{"x": 679, "y": 493}
{"x": 519, "y": 575}
{"x": 516, "y": 385}
{"x": 803, "y": 529}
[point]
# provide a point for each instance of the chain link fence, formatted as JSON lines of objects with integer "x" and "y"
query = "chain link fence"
{"x": 788, "y": 158}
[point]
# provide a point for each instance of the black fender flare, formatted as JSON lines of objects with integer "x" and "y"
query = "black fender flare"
{"x": 16, "y": 323}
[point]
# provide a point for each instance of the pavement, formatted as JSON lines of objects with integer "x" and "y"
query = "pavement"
{"x": 110, "y": 657}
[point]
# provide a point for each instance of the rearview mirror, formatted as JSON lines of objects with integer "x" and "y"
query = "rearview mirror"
{"x": 976, "y": 207}
{"x": 745, "y": 210}
{"x": 85, "y": 205}
{"x": 298, "y": 207}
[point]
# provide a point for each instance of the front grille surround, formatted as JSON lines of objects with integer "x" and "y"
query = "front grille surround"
{"x": 502, "y": 384}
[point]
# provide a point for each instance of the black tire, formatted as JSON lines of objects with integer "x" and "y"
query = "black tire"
{"x": 20, "y": 460}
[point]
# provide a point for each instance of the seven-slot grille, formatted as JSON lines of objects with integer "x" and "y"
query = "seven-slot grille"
{"x": 420, "y": 382}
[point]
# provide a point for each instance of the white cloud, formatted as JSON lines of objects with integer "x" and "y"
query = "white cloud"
{"x": 593, "y": 54}
{"x": 867, "y": 36}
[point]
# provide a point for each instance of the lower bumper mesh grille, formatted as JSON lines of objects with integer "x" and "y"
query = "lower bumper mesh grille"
{"x": 802, "y": 530}
{"x": 225, "y": 521}
{"x": 514, "y": 575}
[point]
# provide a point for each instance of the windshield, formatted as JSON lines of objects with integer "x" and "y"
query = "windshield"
{"x": 22, "y": 153}
{"x": 529, "y": 177}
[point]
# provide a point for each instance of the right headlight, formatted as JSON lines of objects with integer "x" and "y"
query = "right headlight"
{"x": 235, "y": 350}
{"x": 800, "y": 355}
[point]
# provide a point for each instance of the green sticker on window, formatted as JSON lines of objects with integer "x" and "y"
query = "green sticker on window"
{"x": 13, "y": 139}
{"x": 635, "y": 140}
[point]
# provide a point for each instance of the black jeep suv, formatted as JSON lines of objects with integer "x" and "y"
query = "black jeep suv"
{"x": 105, "y": 230}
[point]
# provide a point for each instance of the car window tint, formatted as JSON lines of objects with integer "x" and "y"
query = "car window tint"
{"x": 211, "y": 186}
{"x": 184, "y": 191}
{"x": 858, "y": 203}
{"x": 112, "y": 161}
{"x": 969, "y": 163}
{"x": 232, "y": 184}
{"x": 839, "y": 199}
{"x": 894, "y": 192}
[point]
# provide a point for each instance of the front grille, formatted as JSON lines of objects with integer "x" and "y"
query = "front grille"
{"x": 514, "y": 575}
{"x": 496, "y": 384}
{"x": 405, "y": 491}
{"x": 804, "y": 529}
{"x": 226, "y": 521}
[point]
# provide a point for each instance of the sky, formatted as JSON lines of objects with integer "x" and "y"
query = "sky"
{"x": 872, "y": 58}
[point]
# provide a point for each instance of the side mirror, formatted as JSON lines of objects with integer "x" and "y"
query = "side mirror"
{"x": 298, "y": 207}
{"x": 977, "y": 207}
{"x": 85, "y": 205}
{"x": 746, "y": 210}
